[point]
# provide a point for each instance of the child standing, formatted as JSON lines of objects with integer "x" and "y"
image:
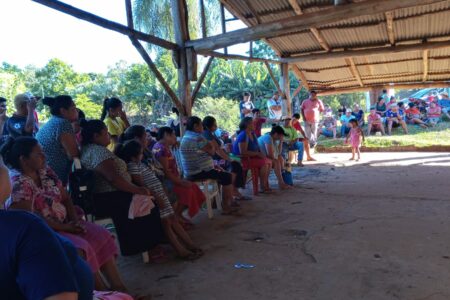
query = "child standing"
{"x": 132, "y": 153}
{"x": 356, "y": 137}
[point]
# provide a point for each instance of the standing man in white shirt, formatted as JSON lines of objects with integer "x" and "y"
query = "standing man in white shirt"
{"x": 274, "y": 107}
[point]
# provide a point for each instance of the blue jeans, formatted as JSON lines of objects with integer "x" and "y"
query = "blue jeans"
{"x": 297, "y": 146}
{"x": 344, "y": 130}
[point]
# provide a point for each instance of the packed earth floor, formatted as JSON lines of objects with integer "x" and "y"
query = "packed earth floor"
{"x": 374, "y": 229}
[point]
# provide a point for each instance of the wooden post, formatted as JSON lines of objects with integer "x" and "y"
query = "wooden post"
{"x": 277, "y": 85}
{"x": 203, "y": 18}
{"x": 180, "y": 24}
{"x": 286, "y": 88}
{"x": 224, "y": 24}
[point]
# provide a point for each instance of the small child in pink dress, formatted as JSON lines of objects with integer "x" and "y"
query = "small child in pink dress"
{"x": 356, "y": 137}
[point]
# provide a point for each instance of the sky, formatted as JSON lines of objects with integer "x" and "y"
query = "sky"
{"x": 32, "y": 34}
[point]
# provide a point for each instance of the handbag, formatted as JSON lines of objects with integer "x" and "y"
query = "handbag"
{"x": 81, "y": 184}
{"x": 287, "y": 177}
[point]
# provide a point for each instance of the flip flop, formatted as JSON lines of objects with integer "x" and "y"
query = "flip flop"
{"x": 189, "y": 257}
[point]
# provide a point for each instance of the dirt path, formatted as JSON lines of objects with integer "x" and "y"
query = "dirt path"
{"x": 378, "y": 229}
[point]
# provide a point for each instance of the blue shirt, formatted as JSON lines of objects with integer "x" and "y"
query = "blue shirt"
{"x": 242, "y": 138}
{"x": 391, "y": 114}
{"x": 193, "y": 159}
{"x": 359, "y": 115}
{"x": 345, "y": 119}
{"x": 264, "y": 140}
{"x": 33, "y": 263}
{"x": 246, "y": 105}
{"x": 48, "y": 136}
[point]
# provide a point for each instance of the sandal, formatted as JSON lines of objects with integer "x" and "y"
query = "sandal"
{"x": 190, "y": 257}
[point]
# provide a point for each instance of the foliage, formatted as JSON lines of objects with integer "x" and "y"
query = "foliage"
{"x": 226, "y": 114}
{"x": 91, "y": 109}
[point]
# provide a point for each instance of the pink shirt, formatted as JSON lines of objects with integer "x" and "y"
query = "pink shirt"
{"x": 434, "y": 112}
{"x": 312, "y": 110}
{"x": 373, "y": 118}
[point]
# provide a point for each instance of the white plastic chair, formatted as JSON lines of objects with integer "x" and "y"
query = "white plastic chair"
{"x": 212, "y": 192}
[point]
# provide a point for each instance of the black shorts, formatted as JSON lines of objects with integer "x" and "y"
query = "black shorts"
{"x": 223, "y": 178}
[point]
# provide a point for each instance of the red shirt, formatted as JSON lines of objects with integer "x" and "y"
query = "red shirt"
{"x": 257, "y": 123}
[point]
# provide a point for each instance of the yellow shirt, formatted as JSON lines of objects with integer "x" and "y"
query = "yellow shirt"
{"x": 115, "y": 127}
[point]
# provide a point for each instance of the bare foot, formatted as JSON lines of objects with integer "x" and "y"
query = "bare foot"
{"x": 285, "y": 187}
{"x": 352, "y": 158}
{"x": 300, "y": 164}
{"x": 311, "y": 159}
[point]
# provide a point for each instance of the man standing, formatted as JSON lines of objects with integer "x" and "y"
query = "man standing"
{"x": 274, "y": 107}
{"x": 246, "y": 106}
{"x": 311, "y": 109}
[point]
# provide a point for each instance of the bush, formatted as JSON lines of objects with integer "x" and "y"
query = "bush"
{"x": 225, "y": 111}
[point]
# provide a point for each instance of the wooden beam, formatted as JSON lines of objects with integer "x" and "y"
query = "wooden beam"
{"x": 320, "y": 39}
{"x": 425, "y": 65}
{"x": 297, "y": 90}
{"x": 286, "y": 86}
{"x": 440, "y": 84}
{"x": 224, "y": 24}
{"x": 367, "y": 52}
{"x": 294, "y": 4}
{"x": 390, "y": 26}
{"x": 253, "y": 10}
{"x": 354, "y": 70}
{"x": 94, "y": 19}
{"x": 301, "y": 76}
{"x": 277, "y": 85}
{"x": 201, "y": 79}
{"x": 203, "y": 18}
{"x": 305, "y": 21}
{"x": 239, "y": 57}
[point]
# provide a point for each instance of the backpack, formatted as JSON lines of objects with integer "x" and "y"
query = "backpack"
{"x": 81, "y": 184}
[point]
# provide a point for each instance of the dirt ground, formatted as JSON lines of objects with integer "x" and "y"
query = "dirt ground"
{"x": 376, "y": 229}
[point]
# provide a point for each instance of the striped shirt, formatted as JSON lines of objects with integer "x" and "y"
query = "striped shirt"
{"x": 193, "y": 159}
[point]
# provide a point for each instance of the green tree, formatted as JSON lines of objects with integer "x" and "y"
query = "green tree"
{"x": 91, "y": 109}
{"x": 224, "y": 110}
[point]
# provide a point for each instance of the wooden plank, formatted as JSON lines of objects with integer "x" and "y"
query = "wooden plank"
{"x": 94, "y": 19}
{"x": 286, "y": 87}
{"x": 390, "y": 26}
{"x": 300, "y": 76}
{"x": 203, "y": 18}
{"x": 425, "y": 65}
{"x": 367, "y": 52}
{"x": 239, "y": 57}
{"x": 297, "y": 90}
{"x": 253, "y": 10}
{"x": 224, "y": 24}
{"x": 129, "y": 12}
{"x": 437, "y": 84}
{"x": 305, "y": 21}
{"x": 201, "y": 79}
{"x": 277, "y": 85}
{"x": 354, "y": 70}
{"x": 294, "y": 4}
{"x": 320, "y": 38}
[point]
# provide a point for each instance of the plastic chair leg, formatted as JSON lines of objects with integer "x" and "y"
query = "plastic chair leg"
{"x": 255, "y": 180}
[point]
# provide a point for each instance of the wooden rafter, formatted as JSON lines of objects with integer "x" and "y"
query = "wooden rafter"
{"x": 301, "y": 76}
{"x": 305, "y": 21}
{"x": 294, "y": 4}
{"x": 354, "y": 70}
{"x": 94, "y": 19}
{"x": 201, "y": 79}
{"x": 368, "y": 52}
{"x": 390, "y": 26}
{"x": 277, "y": 85}
{"x": 203, "y": 18}
{"x": 239, "y": 57}
{"x": 297, "y": 90}
{"x": 253, "y": 10}
{"x": 425, "y": 65}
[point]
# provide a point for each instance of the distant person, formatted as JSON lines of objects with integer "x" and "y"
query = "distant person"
{"x": 298, "y": 126}
{"x": 395, "y": 118}
{"x": 174, "y": 124}
{"x": 384, "y": 95}
{"x": 311, "y": 109}
{"x": 115, "y": 119}
{"x": 246, "y": 106}
{"x": 291, "y": 141}
{"x": 358, "y": 113}
{"x": 413, "y": 116}
{"x": 57, "y": 137}
{"x": 23, "y": 121}
{"x": 374, "y": 122}
{"x": 433, "y": 114}
{"x": 392, "y": 100}
{"x": 274, "y": 107}
{"x": 258, "y": 121}
{"x": 381, "y": 107}
{"x": 345, "y": 122}
{"x": 444, "y": 103}
{"x": 341, "y": 111}
{"x": 356, "y": 136}
{"x": 3, "y": 117}
{"x": 328, "y": 125}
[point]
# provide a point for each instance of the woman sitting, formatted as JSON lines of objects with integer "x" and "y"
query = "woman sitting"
{"x": 113, "y": 193}
{"x": 36, "y": 188}
{"x": 187, "y": 193}
{"x": 57, "y": 136}
{"x": 132, "y": 153}
{"x": 246, "y": 146}
{"x": 222, "y": 159}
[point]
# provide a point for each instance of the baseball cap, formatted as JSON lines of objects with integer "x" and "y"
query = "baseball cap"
{"x": 348, "y": 110}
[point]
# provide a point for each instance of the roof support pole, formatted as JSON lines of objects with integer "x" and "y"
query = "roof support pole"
{"x": 275, "y": 82}
{"x": 286, "y": 89}
{"x": 201, "y": 79}
{"x": 180, "y": 22}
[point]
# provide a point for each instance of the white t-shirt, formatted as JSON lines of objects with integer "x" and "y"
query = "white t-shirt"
{"x": 274, "y": 114}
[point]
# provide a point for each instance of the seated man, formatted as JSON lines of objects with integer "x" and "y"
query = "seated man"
{"x": 270, "y": 145}
{"x": 395, "y": 118}
{"x": 444, "y": 103}
{"x": 23, "y": 121}
{"x": 291, "y": 142}
{"x": 375, "y": 122}
{"x": 196, "y": 159}
{"x": 358, "y": 113}
{"x": 328, "y": 125}
{"x": 413, "y": 116}
{"x": 433, "y": 114}
{"x": 345, "y": 119}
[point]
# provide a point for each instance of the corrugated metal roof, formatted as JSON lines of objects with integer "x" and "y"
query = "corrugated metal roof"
{"x": 410, "y": 26}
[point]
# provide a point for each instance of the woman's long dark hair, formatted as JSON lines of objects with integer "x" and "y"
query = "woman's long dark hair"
{"x": 89, "y": 129}
{"x": 109, "y": 103}
{"x": 244, "y": 124}
{"x": 15, "y": 148}
{"x": 162, "y": 132}
{"x": 128, "y": 150}
{"x": 132, "y": 132}
{"x": 58, "y": 102}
